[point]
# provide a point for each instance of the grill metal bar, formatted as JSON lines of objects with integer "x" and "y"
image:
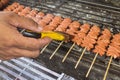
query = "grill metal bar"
{"x": 20, "y": 70}
{"x": 103, "y": 15}
{"x": 11, "y": 72}
{"x": 5, "y": 76}
{"x": 101, "y": 18}
{"x": 111, "y": 8}
{"x": 41, "y": 67}
{"x": 33, "y": 70}
{"x": 29, "y": 66}
{"x": 102, "y": 21}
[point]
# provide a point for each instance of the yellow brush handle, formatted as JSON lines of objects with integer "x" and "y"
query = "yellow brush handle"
{"x": 53, "y": 35}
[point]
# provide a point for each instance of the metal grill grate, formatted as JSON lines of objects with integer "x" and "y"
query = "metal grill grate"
{"x": 28, "y": 69}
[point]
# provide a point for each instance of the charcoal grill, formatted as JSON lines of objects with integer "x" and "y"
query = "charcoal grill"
{"x": 58, "y": 60}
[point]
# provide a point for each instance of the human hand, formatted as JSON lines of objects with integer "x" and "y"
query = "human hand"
{"x": 12, "y": 43}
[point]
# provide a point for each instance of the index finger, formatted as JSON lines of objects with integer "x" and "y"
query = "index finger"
{"x": 31, "y": 43}
{"x": 23, "y": 22}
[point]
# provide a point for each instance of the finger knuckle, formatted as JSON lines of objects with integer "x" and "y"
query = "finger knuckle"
{"x": 32, "y": 22}
{"x": 11, "y": 14}
{"x": 36, "y": 54}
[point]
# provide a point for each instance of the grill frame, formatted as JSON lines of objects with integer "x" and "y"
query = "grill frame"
{"x": 76, "y": 50}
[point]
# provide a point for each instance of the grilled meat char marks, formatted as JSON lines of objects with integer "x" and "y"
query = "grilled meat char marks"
{"x": 12, "y": 7}
{"x": 89, "y": 40}
{"x": 83, "y": 35}
{"x": 32, "y": 14}
{"x": 78, "y": 38}
{"x": 53, "y": 24}
{"x": 25, "y": 11}
{"x": 45, "y": 20}
{"x": 64, "y": 24}
{"x": 39, "y": 16}
{"x": 4, "y": 2}
{"x": 103, "y": 42}
{"x": 19, "y": 9}
{"x": 73, "y": 28}
{"x": 114, "y": 47}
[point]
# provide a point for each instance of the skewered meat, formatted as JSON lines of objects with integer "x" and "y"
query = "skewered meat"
{"x": 46, "y": 19}
{"x": 25, "y": 11}
{"x": 91, "y": 37}
{"x": 71, "y": 32}
{"x": 48, "y": 28}
{"x": 4, "y": 2}
{"x": 32, "y": 14}
{"x": 116, "y": 39}
{"x": 1, "y": 5}
{"x": 103, "y": 42}
{"x": 42, "y": 23}
{"x": 39, "y": 16}
{"x": 15, "y": 4}
{"x": 64, "y": 24}
{"x": 53, "y": 24}
{"x": 81, "y": 34}
{"x": 114, "y": 47}
{"x": 84, "y": 29}
{"x": 56, "y": 21}
{"x": 12, "y": 7}
{"x": 74, "y": 25}
{"x": 73, "y": 28}
{"x": 19, "y": 9}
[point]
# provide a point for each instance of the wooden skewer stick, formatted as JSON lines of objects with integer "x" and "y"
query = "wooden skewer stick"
{"x": 92, "y": 64}
{"x": 80, "y": 58}
{"x": 44, "y": 48}
{"x": 105, "y": 76}
{"x": 68, "y": 52}
{"x": 56, "y": 50}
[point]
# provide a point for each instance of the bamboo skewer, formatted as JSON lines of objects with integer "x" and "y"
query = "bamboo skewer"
{"x": 106, "y": 72}
{"x": 68, "y": 52}
{"x": 92, "y": 64}
{"x": 80, "y": 58}
{"x": 44, "y": 49}
{"x": 56, "y": 50}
